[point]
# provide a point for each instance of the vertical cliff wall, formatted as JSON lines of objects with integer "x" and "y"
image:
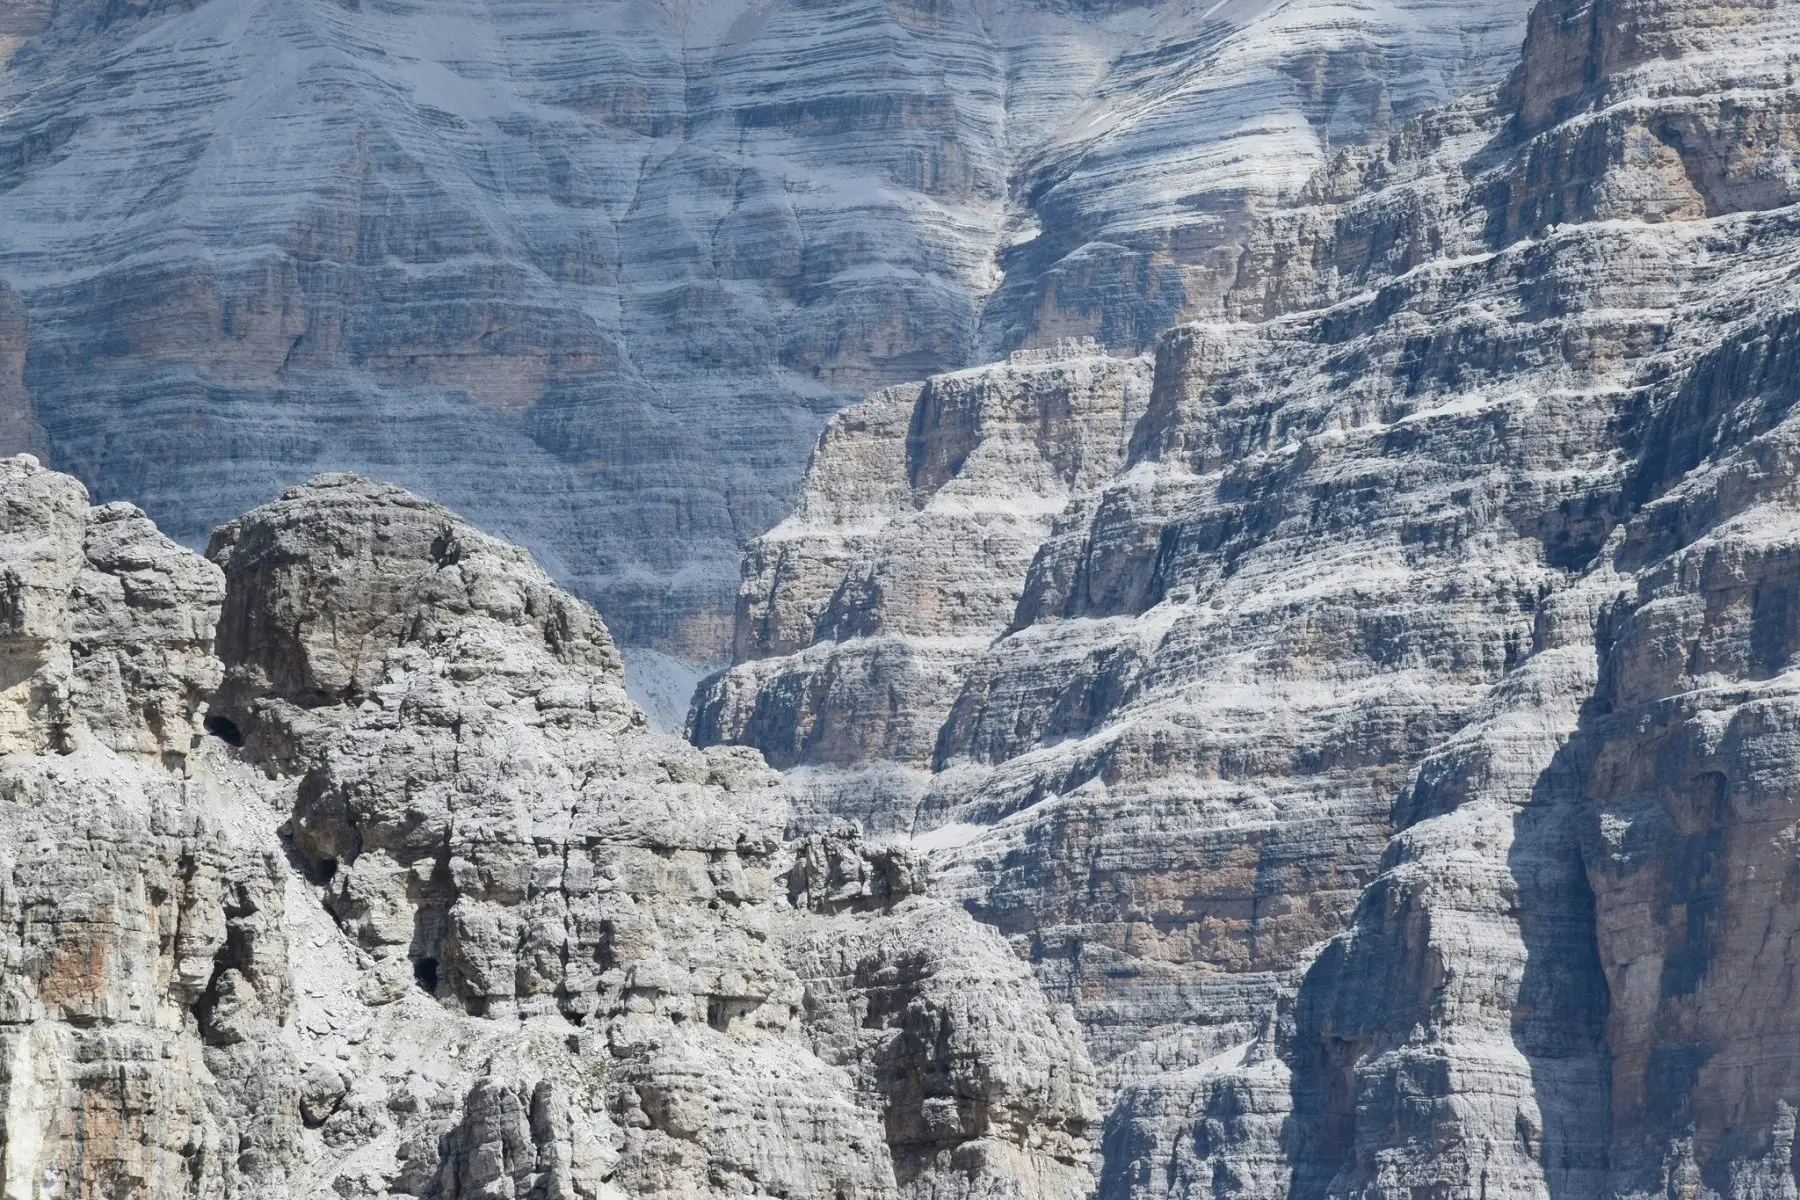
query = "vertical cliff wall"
{"x": 596, "y": 273}
{"x": 1383, "y": 759}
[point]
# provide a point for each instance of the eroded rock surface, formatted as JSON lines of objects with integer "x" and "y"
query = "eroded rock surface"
{"x": 1366, "y": 724}
{"x": 1385, "y": 754}
{"x": 388, "y": 890}
{"x": 145, "y": 957}
{"x": 595, "y": 272}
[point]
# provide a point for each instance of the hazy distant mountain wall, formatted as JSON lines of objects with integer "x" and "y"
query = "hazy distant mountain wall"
{"x": 596, "y": 273}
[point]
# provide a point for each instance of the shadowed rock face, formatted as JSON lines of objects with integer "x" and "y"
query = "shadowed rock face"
{"x": 19, "y": 430}
{"x": 386, "y": 890}
{"x": 1384, "y": 750}
{"x": 596, "y": 273}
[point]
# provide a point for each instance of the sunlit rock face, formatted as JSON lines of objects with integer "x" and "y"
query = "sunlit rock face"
{"x": 1341, "y": 747}
{"x": 1384, "y": 748}
{"x": 596, "y": 273}
{"x": 337, "y": 863}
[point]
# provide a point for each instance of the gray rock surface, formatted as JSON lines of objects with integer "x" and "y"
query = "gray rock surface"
{"x": 19, "y": 430}
{"x": 1385, "y": 755}
{"x": 596, "y": 272}
{"x": 144, "y": 958}
{"x": 385, "y": 889}
{"x": 1348, "y": 753}
{"x": 947, "y": 1034}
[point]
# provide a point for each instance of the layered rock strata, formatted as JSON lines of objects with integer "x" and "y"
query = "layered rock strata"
{"x": 596, "y": 273}
{"x": 1387, "y": 759}
{"x": 19, "y": 430}
{"x": 860, "y": 614}
{"x": 337, "y": 863}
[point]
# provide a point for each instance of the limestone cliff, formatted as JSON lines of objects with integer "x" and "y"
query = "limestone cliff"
{"x": 339, "y": 864}
{"x": 1346, "y": 752}
{"x": 596, "y": 271}
{"x": 1385, "y": 754}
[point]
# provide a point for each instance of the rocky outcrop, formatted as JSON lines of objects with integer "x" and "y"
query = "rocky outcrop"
{"x": 1691, "y": 784}
{"x": 596, "y": 274}
{"x": 1348, "y": 753}
{"x": 386, "y": 889}
{"x": 840, "y": 872}
{"x": 1386, "y": 757}
{"x": 109, "y": 625}
{"x": 949, "y": 1037}
{"x": 144, "y": 957}
{"x": 859, "y": 614}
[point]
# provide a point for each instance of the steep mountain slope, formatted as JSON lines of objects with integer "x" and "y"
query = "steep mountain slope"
{"x": 1389, "y": 758}
{"x": 427, "y": 911}
{"x": 595, "y": 273}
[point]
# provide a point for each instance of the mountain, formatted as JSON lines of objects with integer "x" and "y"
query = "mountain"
{"x": 1372, "y": 710}
{"x": 1342, "y": 745}
{"x": 596, "y": 273}
{"x": 338, "y": 864}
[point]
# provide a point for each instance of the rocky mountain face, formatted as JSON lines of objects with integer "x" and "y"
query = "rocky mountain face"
{"x": 337, "y": 863}
{"x": 1347, "y": 750}
{"x": 1373, "y": 711}
{"x": 595, "y": 273}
